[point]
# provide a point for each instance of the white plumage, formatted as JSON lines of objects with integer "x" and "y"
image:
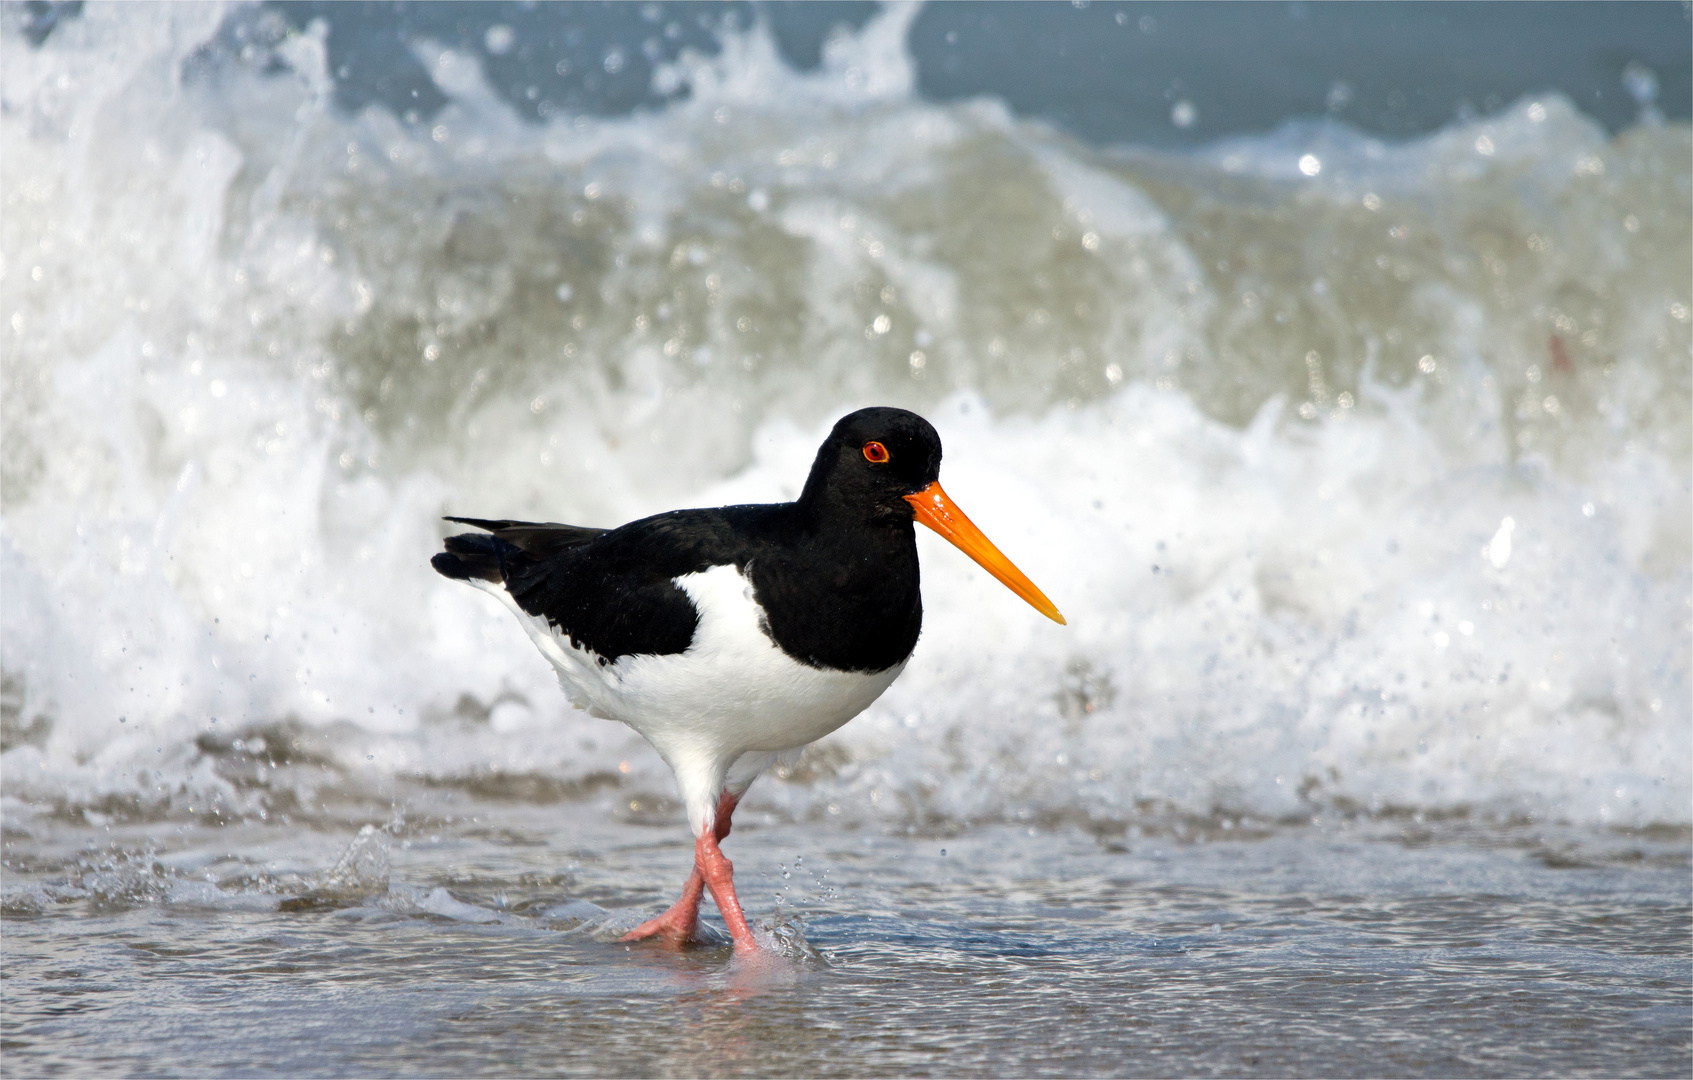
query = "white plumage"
{"x": 724, "y": 710}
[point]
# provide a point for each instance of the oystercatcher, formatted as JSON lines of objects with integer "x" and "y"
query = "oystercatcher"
{"x": 731, "y": 638}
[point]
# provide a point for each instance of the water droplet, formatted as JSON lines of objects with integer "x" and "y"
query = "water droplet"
{"x": 499, "y": 39}
{"x": 1499, "y": 548}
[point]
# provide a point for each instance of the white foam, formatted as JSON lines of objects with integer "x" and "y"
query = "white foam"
{"x": 228, "y": 443}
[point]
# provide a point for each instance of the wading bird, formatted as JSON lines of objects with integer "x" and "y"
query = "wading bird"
{"x": 731, "y": 638}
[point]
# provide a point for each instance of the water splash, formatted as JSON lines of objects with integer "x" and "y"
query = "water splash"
{"x": 1256, "y": 427}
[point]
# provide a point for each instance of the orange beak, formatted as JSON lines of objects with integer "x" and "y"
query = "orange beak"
{"x": 941, "y": 514}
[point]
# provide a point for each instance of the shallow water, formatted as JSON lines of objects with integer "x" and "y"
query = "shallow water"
{"x": 1348, "y": 947}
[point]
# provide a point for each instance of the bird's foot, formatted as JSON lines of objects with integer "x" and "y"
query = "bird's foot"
{"x": 678, "y": 926}
{"x": 673, "y": 929}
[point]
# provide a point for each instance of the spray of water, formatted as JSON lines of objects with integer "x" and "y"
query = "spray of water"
{"x": 1360, "y": 470}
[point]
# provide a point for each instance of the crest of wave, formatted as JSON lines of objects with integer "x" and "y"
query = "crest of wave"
{"x": 259, "y": 346}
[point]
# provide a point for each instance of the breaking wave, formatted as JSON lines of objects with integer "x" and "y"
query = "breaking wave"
{"x": 1361, "y": 470}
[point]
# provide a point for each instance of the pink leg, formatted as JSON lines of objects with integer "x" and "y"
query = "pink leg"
{"x": 676, "y": 926}
{"x": 719, "y": 876}
{"x": 680, "y": 924}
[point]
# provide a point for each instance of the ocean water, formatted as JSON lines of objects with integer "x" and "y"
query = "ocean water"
{"x": 1361, "y": 467}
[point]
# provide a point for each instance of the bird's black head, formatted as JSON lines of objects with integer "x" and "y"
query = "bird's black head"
{"x": 881, "y": 467}
{"x": 871, "y": 461}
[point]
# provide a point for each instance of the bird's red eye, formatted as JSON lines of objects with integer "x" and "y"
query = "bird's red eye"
{"x": 875, "y": 453}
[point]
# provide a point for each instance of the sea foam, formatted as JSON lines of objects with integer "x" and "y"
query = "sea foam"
{"x": 1362, "y": 480}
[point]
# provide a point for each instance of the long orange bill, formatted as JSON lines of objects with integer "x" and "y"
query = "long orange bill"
{"x": 941, "y": 514}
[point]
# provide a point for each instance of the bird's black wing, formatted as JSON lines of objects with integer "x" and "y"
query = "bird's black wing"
{"x": 612, "y": 591}
{"x": 538, "y": 538}
{"x": 480, "y": 555}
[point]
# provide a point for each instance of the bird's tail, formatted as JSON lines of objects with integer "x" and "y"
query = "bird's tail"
{"x": 474, "y": 555}
{"x": 513, "y": 545}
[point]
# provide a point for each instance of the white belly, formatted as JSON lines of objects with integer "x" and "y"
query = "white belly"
{"x": 733, "y": 688}
{"x": 732, "y": 692}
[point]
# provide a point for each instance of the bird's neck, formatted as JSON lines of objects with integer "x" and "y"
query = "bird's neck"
{"x": 833, "y": 518}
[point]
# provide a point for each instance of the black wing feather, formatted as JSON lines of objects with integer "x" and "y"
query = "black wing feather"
{"x": 612, "y": 591}
{"x": 843, "y": 599}
{"x": 541, "y": 538}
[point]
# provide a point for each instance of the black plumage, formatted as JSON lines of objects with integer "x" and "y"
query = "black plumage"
{"x": 749, "y": 631}
{"x": 835, "y": 571}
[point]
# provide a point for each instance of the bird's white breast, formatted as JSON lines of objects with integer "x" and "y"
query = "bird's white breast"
{"x": 732, "y": 691}
{"x": 734, "y": 684}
